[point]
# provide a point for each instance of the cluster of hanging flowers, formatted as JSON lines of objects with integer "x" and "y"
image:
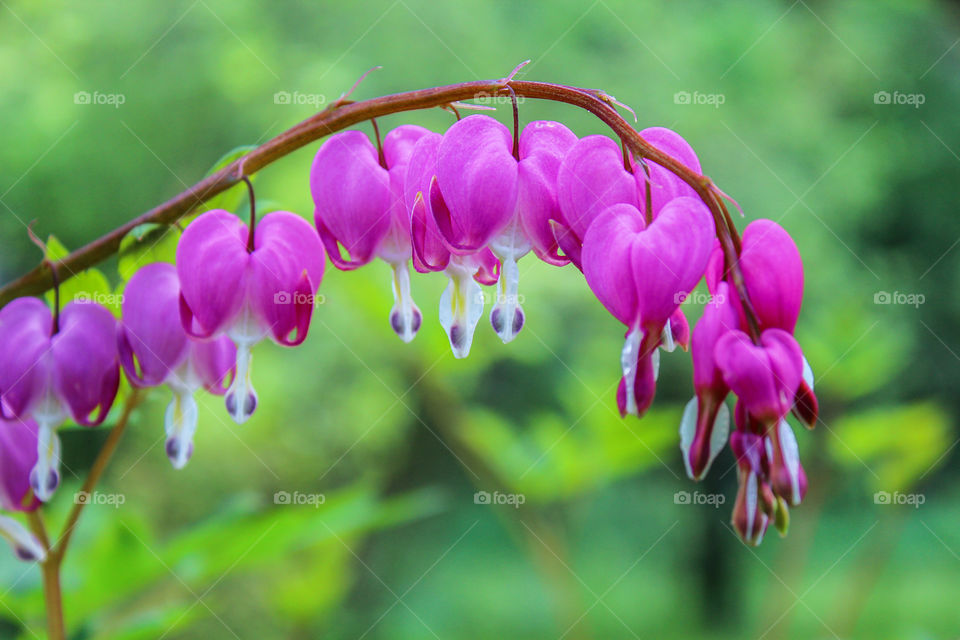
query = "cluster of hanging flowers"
{"x": 469, "y": 203}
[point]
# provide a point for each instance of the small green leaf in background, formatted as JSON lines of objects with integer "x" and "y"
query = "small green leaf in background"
{"x": 89, "y": 285}
{"x": 144, "y": 244}
{"x": 232, "y": 198}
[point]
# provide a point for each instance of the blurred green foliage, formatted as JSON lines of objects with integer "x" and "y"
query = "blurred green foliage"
{"x": 399, "y": 437}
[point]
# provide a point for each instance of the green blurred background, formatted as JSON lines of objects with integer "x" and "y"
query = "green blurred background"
{"x": 398, "y": 438}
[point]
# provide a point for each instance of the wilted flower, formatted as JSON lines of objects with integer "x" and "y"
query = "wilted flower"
{"x": 154, "y": 349}
{"x": 55, "y": 368}
{"x": 246, "y": 290}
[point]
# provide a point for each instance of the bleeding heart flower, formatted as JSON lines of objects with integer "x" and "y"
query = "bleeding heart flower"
{"x": 247, "y": 294}
{"x": 154, "y": 349}
{"x": 773, "y": 278}
{"x": 764, "y": 376}
{"x": 18, "y": 455}
{"x": 461, "y": 304}
{"x": 360, "y": 205}
{"x": 50, "y": 373}
{"x": 706, "y": 419}
{"x": 641, "y": 274}
{"x": 595, "y": 175}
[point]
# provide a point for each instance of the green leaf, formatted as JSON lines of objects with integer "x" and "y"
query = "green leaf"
{"x": 144, "y": 244}
{"x": 232, "y": 198}
{"x": 90, "y": 285}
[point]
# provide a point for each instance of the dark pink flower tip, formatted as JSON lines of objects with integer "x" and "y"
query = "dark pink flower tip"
{"x": 18, "y": 455}
{"x": 477, "y": 174}
{"x": 679, "y": 333}
{"x": 753, "y": 509}
{"x": 150, "y": 339}
{"x": 806, "y": 407}
{"x": 765, "y": 377}
{"x": 352, "y": 196}
{"x": 420, "y": 186}
{"x": 543, "y": 146}
{"x": 704, "y": 428}
{"x": 664, "y": 184}
{"x": 592, "y": 178}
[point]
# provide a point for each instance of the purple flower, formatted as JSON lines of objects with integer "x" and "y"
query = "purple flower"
{"x": 51, "y": 375}
{"x": 226, "y": 289}
{"x": 360, "y": 206}
{"x": 461, "y": 303}
{"x": 641, "y": 274}
{"x": 773, "y": 278}
{"x": 154, "y": 349}
{"x": 18, "y": 455}
{"x": 595, "y": 175}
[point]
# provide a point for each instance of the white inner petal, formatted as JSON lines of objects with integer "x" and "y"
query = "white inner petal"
{"x": 45, "y": 475}
{"x": 791, "y": 458}
{"x": 180, "y": 423}
{"x": 807, "y": 373}
{"x": 688, "y": 428}
{"x": 667, "y": 343}
{"x": 404, "y": 316}
{"x": 241, "y": 399}
{"x": 628, "y": 364}
{"x": 461, "y": 305}
{"x": 24, "y": 544}
{"x": 507, "y": 313}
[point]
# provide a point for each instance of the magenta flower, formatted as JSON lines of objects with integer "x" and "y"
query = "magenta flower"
{"x": 52, "y": 371}
{"x": 461, "y": 303}
{"x": 595, "y": 175}
{"x": 360, "y": 206}
{"x": 706, "y": 420}
{"x": 756, "y": 505}
{"x": 228, "y": 287}
{"x": 492, "y": 199}
{"x": 766, "y": 377}
{"x": 154, "y": 349}
{"x": 641, "y": 274}
{"x": 18, "y": 455}
{"x": 773, "y": 278}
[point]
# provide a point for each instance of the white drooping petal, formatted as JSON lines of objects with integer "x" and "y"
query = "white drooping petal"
{"x": 807, "y": 373}
{"x": 655, "y": 363}
{"x": 718, "y": 436}
{"x": 241, "y": 399}
{"x": 791, "y": 459}
{"x": 666, "y": 342}
{"x": 180, "y": 423}
{"x": 752, "y": 499}
{"x": 405, "y": 317}
{"x": 688, "y": 428}
{"x": 24, "y": 544}
{"x": 628, "y": 365}
{"x": 507, "y": 314}
{"x": 45, "y": 475}
{"x": 461, "y": 305}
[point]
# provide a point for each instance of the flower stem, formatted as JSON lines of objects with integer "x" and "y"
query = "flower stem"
{"x": 50, "y": 567}
{"x": 342, "y": 114}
